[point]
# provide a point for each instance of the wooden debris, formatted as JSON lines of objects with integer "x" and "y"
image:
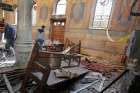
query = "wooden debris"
{"x": 8, "y": 84}
{"x": 9, "y": 79}
{"x": 120, "y": 76}
{"x": 102, "y": 67}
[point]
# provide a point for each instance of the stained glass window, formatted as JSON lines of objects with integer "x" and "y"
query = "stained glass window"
{"x": 102, "y": 14}
{"x": 61, "y": 7}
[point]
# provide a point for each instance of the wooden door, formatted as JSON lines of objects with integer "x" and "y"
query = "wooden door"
{"x": 57, "y": 29}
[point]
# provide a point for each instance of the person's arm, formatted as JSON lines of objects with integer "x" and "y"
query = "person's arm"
{"x": 14, "y": 34}
{"x": 5, "y": 31}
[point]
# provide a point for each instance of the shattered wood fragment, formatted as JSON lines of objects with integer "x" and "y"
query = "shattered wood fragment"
{"x": 14, "y": 76}
{"x": 8, "y": 84}
{"x": 102, "y": 67}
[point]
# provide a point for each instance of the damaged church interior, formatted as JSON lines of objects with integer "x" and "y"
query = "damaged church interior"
{"x": 69, "y": 46}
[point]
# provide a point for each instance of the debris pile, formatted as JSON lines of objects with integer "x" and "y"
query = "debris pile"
{"x": 102, "y": 67}
{"x": 10, "y": 80}
{"x": 93, "y": 81}
{"x": 7, "y": 57}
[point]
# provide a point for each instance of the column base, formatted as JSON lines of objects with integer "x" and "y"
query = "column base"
{"x": 22, "y": 54}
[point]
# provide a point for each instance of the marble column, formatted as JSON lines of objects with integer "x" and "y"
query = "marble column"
{"x": 23, "y": 42}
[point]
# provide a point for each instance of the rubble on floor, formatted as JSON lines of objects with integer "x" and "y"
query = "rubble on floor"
{"x": 108, "y": 70}
{"x": 102, "y": 67}
{"x": 100, "y": 76}
{"x": 12, "y": 79}
{"x": 7, "y": 57}
{"x": 93, "y": 82}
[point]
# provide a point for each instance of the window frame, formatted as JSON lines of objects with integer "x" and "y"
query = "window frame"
{"x": 92, "y": 17}
{"x": 56, "y": 5}
{"x": 34, "y": 15}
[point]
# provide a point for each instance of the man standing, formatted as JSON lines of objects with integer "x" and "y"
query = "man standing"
{"x": 9, "y": 35}
{"x": 40, "y": 35}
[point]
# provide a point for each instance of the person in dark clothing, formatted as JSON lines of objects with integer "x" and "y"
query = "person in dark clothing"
{"x": 9, "y": 35}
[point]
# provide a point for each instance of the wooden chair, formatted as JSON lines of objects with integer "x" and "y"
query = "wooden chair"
{"x": 36, "y": 71}
{"x": 76, "y": 48}
{"x": 68, "y": 43}
{"x": 74, "y": 54}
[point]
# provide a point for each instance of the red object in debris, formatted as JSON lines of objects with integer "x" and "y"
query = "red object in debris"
{"x": 123, "y": 58}
{"x": 99, "y": 67}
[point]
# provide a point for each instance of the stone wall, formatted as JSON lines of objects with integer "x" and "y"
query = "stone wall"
{"x": 79, "y": 15}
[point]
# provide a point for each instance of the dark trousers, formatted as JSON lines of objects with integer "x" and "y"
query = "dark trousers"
{"x": 9, "y": 43}
{"x": 40, "y": 41}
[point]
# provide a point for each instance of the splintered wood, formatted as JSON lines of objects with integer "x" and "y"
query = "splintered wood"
{"x": 10, "y": 89}
{"x": 102, "y": 67}
{"x": 9, "y": 79}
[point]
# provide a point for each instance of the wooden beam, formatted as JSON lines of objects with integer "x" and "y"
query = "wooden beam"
{"x": 88, "y": 85}
{"x": 8, "y": 84}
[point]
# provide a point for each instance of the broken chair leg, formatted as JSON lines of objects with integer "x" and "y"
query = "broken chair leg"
{"x": 8, "y": 84}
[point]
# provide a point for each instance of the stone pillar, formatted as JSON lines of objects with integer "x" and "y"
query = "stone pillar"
{"x": 1, "y": 19}
{"x": 23, "y": 42}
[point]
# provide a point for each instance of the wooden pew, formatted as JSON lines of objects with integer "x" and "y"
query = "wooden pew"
{"x": 36, "y": 71}
{"x": 68, "y": 43}
{"x": 71, "y": 53}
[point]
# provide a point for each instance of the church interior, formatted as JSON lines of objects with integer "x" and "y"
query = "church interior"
{"x": 69, "y": 46}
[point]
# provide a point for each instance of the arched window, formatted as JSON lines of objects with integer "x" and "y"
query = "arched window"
{"x": 34, "y": 14}
{"x": 61, "y": 7}
{"x": 102, "y": 14}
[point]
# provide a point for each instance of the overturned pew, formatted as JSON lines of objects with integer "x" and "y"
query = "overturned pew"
{"x": 10, "y": 79}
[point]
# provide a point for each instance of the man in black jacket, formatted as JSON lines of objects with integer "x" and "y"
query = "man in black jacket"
{"x": 9, "y": 35}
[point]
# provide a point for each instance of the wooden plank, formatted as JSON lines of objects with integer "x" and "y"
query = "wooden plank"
{"x": 52, "y": 80}
{"x": 88, "y": 85}
{"x": 9, "y": 70}
{"x": 8, "y": 84}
